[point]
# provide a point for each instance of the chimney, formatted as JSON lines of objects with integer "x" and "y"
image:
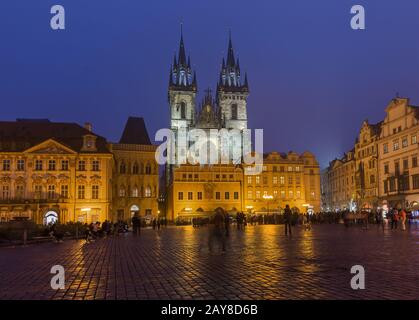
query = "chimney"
{"x": 88, "y": 126}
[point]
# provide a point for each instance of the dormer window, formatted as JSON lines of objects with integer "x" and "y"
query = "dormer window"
{"x": 89, "y": 143}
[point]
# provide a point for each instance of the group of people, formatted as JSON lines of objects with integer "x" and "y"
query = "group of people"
{"x": 395, "y": 216}
{"x": 97, "y": 230}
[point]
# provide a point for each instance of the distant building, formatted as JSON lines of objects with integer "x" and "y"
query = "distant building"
{"x": 285, "y": 179}
{"x": 382, "y": 169}
{"x": 341, "y": 179}
{"x": 398, "y": 155}
{"x": 53, "y": 171}
{"x": 135, "y": 180}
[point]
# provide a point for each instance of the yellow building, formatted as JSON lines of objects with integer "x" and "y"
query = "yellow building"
{"x": 285, "y": 179}
{"x": 398, "y": 155}
{"x": 366, "y": 166}
{"x": 53, "y": 171}
{"x": 341, "y": 183}
{"x": 135, "y": 174}
{"x": 196, "y": 191}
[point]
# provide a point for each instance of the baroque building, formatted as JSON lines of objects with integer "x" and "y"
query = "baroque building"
{"x": 53, "y": 171}
{"x": 384, "y": 163}
{"x": 398, "y": 155}
{"x": 135, "y": 173}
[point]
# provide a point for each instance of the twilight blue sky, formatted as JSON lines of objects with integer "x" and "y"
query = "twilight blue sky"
{"x": 312, "y": 78}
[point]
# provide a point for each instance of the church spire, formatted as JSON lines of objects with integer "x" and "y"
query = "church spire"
{"x": 230, "y": 71}
{"x": 181, "y": 71}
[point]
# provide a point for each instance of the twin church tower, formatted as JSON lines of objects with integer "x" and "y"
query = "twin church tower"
{"x": 228, "y": 109}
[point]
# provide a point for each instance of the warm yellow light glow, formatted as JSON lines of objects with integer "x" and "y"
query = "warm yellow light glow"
{"x": 86, "y": 209}
{"x": 265, "y": 196}
{"x": 249, "y": 207}
{"x": 188, "y": 209}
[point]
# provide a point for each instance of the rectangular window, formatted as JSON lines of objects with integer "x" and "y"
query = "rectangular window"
{"x": 190, "y": 195}
{"x": 414, "y": 162}
{"x": 291, "y": 194}
{"x": 38, "y": 165}
{"x": 95, "y": 165}
{"x": 257, "y": 194}
{"x": 396, "y": 167}
{"x": 386, "y": 170}
{"x": 51, "y": 192}
{"x": 282, "y": 180}
{"x": 95, "y": 192}
{"x": 180, "y": 196}
{"x": 298, "y": 180}
{"x": 392, "y": 184}
{"x": 51, "y": 165}
{"x": 81, "y": 192}
{"x": 385, "y": 148}
{"x": 275, "y": 180}
{"x": 249, "y": 194}
{"x": 257, "y": 179}
{"x": 249, "y": 180}
{"x": 414, "y": 139}
{"x": 385, "y": 186}
{"x": 64, "y": 165}
{"x": 405, "y": 164}
{"x": 290, "y": 180}
{"x": 298, "y": 194}
{"x": 396, "y": 145}
{"x": 6, "y": 165}
{"x": 275, "y": 194}
{"x": 199, "y": 195}
{"x": 282, "y": 194}
{"x": 265, "y": 180}
{"x": 236, "y": 195}
{"x": 218, "y": 195}
{"x": 289, "y": 169}
{"x": 82, "y": 165}
{"x": 5, "y": 192}
{"x": 20, "y": 165}
{"x": 415, "y": 179}
{"x": 227, "y": 195}
{"x": 64, "y": 191}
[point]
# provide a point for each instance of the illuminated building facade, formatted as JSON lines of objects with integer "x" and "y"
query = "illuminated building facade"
{"x": 291, "y": 179}
{"x": 135, "y": 173}
{"x": 398, "y": 155}
{"x": 341, "y": 183}
{"x": 53, "y": 171}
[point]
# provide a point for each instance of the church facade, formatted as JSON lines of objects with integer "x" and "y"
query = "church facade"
{"x": 196, "y": 190}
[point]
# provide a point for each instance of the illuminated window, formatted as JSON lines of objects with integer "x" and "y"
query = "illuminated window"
{"x": 81, "y": 192}
{"x": 275, "y": 180}
{"x": 20, "y": 165}
{"x": 257, "y": 179}
{"x": 6, "y": 165}
{"x": 282, "y": 180}
{"x": 147, "y": 192}
{"x": 51, "y": 165}
{"x": 249, "y": 194}
{"x": 95, "y": 192}
{"x": 64, "y": 191}
{"x": 257, "y": 194}
{"x": 249, "y": 180}
{"x": 64, "y": 165}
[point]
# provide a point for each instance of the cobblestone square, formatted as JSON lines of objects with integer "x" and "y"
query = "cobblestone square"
{"x": 259, "y": 263}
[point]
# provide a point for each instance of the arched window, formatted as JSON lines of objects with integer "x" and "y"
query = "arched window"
{"x": 148, "y": 169}
{"x": 183, "y": 110}
{"x": 234, "y": 112}
{"x": 122, "y": 167}
{"x": 135, "y": 192}
{"x": 147, "y": 192}
{"x": 135, "y": 168}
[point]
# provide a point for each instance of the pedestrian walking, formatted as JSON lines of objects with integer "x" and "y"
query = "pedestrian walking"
{"x": 287, "y": 219}
{"x": 136, "y": 224}
{"x": 403, "y": 219}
